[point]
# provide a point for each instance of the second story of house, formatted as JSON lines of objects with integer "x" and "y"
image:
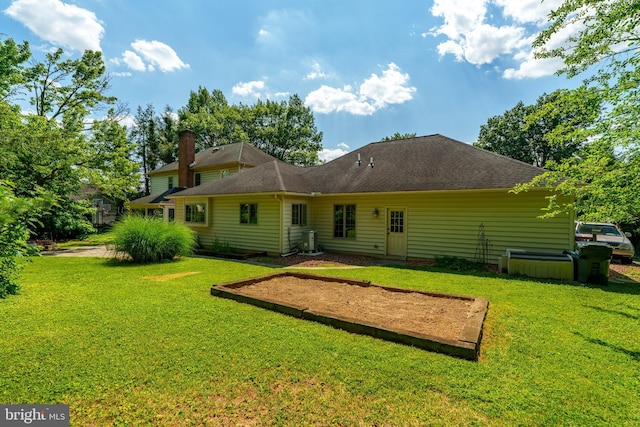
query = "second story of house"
{"x": 193, "y": 169}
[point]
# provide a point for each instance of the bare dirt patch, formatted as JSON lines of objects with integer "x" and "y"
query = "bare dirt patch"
{"x": 447, "y": 323}
{"x": 411, "y": 311}
{"x": 625, "y": 272}
{"x": 165, "y": 277}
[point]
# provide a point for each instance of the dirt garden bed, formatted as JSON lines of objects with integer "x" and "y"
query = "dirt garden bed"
{"x": 450, "y": 324}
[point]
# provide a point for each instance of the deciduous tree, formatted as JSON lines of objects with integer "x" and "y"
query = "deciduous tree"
{"x": 396, "y": 136}
{"x": 286, "y": 130}
{"x": 603, "y": 46}
{"x": 144, "y": 134}
{"x": 212, "y": 119}
{"x": 12, "y": 58}
{"x": 530, "y": 133}
{"x": 62, "y": 147}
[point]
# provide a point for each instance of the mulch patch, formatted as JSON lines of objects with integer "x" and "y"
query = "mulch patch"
{"x": 624, "y": 272}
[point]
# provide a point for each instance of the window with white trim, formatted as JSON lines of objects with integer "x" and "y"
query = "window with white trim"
{"x": 299, "y": 214}
{"x": 195, "y": 212}
{"x": 344, "y": 221}
{"x": 249, "y": 213}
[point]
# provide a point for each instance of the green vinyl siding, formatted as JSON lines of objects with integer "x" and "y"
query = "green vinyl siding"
{"x": 292, "y": 234}
{"x": 448, "y": 223}
{"x": 160, "y": 183}
{"x": 436, "y": 223}
{"x": 224, "y": 223}
{"x": 370, "y": 231}
{"x": 212, "y": 175}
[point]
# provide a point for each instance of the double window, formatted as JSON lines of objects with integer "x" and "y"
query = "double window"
{"x": 299, "y": 214}
{"x": 344, "y": 221}
{"x": 249, "y": 213}
{"x": 195, "y": 213}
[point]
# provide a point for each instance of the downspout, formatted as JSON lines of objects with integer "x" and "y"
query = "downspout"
{"x": 280, "y": 223}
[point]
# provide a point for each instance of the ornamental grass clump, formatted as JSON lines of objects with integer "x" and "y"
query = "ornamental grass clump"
{"x": 148, "y": 240}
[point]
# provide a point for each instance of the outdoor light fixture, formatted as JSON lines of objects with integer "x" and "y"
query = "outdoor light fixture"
{"x": 375, "y": 212}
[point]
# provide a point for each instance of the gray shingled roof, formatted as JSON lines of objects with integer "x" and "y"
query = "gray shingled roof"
{"x": 230, "y": 154}
{"x": 272, "y": 177}
{"x": 427, "y": 163}
{"x": 155, "y": 198}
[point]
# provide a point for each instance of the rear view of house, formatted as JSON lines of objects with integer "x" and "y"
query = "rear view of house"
{"x": 415, "y": 198}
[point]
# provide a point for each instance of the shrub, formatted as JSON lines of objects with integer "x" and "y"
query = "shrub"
{"x": 222, "y": 246}
{"x": 147, "y": 239}
{"x": 458, "y": 264}
{"x": 16, "y": 217}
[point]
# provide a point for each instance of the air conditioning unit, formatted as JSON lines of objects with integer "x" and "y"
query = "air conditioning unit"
{"x": 309, "y": 241}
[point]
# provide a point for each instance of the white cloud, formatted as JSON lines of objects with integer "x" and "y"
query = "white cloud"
{"x": 157, "y": 54}
{"x": 460, "y": 16}
{"x": 59, "y": 23}
{"x": 253, "y": 88}
{"x": 343, "y": 145}
{"x": 129, "y": 121}
{"x": 474, "y": 35}
{"x": 280, "y": 27}
{"x": 316, "y": 72}
{"x": 328, "y": 100}
{"x": 264, "y": 36}
{"x": 326, "y": 155}
{"x": 133, "y": 61}
{"x": 528, "y": 11}
{"x": 391, "y": 88}
{"x": 171, "y": 114}
{"x": 373, "y": 94}
{"x": 533, "y": 68}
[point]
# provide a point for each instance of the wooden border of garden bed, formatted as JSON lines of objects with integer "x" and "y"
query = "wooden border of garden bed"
{"x": 467, "y": 346}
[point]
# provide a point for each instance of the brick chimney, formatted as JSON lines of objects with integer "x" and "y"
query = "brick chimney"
{"x": 186, "y": 156}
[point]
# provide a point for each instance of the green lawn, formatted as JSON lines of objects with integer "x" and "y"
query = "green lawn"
{"x": 105, "y": 238}
{"x": 137, "y": 345}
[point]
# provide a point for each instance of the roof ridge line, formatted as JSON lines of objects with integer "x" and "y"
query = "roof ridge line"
{"x": 240, "y": 152}
{"x": 279, "y": 175}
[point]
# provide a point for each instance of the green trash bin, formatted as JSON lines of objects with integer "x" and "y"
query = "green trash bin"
{"x": 593, "y": 263}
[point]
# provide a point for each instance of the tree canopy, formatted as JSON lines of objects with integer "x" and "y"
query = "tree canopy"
{"x": 12, "y": 58}
{"x": 603, "y": 46}
{"x": 285, "y": 129}
{"x": 212, "y": 119}
{"x": 396, "y": 136}
{"x": 529, "y": 132}
{"x": 61, "y": 147}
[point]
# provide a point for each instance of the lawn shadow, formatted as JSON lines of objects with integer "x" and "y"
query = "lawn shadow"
{"x": 629, "y": 288}
{"x": 617, "y": 312}
{"x": 635, "y": 355}
{"x": 128, "y": 262}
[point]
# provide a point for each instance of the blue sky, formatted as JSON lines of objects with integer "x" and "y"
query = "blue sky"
{"x": 367, "y": 69}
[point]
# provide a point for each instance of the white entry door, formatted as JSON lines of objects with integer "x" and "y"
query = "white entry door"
{"x": 396, "y": 232}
